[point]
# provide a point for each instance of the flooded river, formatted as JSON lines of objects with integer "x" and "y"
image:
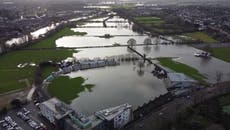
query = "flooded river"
{"x": 127, "y": 83}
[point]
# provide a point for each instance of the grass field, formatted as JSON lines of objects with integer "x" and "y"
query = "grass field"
{"x": 201, "y": 36}
{"x": 149, "y": 20}
{"x": 222, "y": 53}
{"x": 67, "y": 89}
{"x": 126, "y": 6}
{"x": 10, "y": 74}
{"x": 182, "y": 68}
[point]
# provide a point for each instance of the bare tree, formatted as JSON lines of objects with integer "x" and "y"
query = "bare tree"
{"x": 219, "y": 76}
{"x": 131, "y": 42}
{"x": 229, "y": 76}
{"x": 148, "y": 41}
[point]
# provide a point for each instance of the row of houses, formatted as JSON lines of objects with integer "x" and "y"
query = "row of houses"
{"x": 82, "y": 65}
{"x": 63, "y": 117}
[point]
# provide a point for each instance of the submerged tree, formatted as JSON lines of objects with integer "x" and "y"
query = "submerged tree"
{"x": 148, "y": 41}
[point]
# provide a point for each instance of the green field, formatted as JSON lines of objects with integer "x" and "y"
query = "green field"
{"x": 50, "y": 41}
{"x": 124, "y": 6}
{"x": 48, "y": 70}
{"x": 201, "y": 36}
{"x": 182, "y": 68}
{"x": 222, "y": 53}
{"x": 67, "y": 89}
{"x": 10, "y": 75}
{"x": 149, "y": 20}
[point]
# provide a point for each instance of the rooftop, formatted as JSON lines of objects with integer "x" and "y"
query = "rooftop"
{"x": 110, "y": 113}
{"x": 62, "y": 110}
{"x": 58, "y": 107}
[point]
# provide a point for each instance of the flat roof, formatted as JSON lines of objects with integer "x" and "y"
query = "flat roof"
{"x": 58, "y": 107}
{"x": 110, "y": 113}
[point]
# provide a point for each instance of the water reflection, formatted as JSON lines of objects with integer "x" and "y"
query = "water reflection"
{"x": 117, "y": 85}
{"x": 147, "y": 49}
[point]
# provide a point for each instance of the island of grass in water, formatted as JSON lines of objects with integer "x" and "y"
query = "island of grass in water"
{"x": 67, "y": 89}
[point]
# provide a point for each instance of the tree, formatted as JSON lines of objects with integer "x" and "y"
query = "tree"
{"x": 207, "y": 48}
{"x": 16, "y": 103}
{"x": 148, "y": 41}
{"x": 157, "y": 40}
{"x": 219, "y": 76}
{"x": 131, "y": 42}
{"x": 3, "y": 111}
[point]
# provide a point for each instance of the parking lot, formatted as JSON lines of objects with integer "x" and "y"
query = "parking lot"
{"x": 25, "y": 118}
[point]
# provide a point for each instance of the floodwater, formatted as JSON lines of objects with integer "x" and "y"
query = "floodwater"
{"x": 39, "y": 32}
{"x": 116, "y": 85}
{"x": 128, "y": 83}
{"x": 34, "y": 35}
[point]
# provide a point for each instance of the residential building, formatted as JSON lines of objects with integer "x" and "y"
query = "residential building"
{"x": 63, "y": 116}
{"x": 116, "y": 117}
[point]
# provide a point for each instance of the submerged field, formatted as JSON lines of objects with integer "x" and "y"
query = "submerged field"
{"x": 67, "y": 89}
{"x": 182, "y": 68}
{"x": 50, "y": 41}
{"x": 12, "y": 77}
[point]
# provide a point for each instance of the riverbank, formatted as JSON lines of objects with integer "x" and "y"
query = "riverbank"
{"x": 50, "y": 41}
{"x": 10, "y": 74}
{"x": 182, "y": 68}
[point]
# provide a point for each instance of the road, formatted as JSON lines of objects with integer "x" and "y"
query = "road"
{"x": 171, "y": 109}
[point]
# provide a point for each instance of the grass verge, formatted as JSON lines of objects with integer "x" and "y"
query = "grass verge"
{"x": 222, "y": 53}
{"x": 201, "y": 36}
{"x": 149, "y": 20}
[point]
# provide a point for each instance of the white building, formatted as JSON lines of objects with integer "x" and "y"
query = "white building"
{"x": 63, "y": 116}
{"x": 50, "y": 109}
{"x": 101, "y": 63}
{"x": 84, "y": 65}
{"x": 67, "y": 69}
{"x": 117, "y": 116}
{"x": 76, "y": 67}
{"x": 178, "y": 80}
{"x": 93, "y": 64}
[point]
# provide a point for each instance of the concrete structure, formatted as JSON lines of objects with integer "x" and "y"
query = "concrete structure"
{"x": 116, "y": 117}
{"x": 51, "y": 109}
{"x": 63, "y": 116}
{"x": 178, "y": 80}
